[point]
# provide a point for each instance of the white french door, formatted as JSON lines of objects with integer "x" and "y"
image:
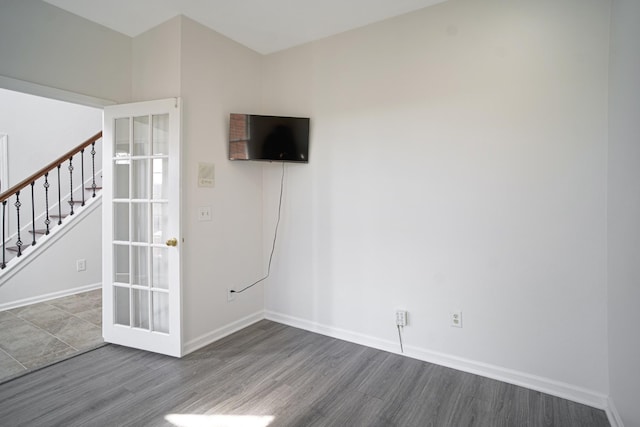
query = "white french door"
{"x": 141, "y": 226}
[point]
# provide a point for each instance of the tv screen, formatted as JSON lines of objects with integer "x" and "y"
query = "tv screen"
{"x": 271, "y": 138}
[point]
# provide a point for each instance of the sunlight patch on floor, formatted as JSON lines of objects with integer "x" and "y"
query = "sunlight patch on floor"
{"x": 193, "y": 420}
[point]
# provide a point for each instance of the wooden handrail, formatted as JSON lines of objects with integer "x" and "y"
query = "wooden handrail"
{"x": 27, "y": 181}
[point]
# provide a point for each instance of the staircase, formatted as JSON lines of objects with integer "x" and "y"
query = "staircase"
{"x": 39, "y": 206}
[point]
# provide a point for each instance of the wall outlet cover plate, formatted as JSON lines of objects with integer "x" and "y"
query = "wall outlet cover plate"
{"x": 456, "y": 319}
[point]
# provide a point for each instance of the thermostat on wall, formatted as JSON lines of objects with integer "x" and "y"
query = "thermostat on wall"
{"x": 205, "y": 175}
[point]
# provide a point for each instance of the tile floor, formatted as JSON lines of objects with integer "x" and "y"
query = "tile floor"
{"x": 40, "y": 334}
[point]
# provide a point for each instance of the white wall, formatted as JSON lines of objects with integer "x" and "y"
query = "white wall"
{"x": 624, "y": 210}
{"x": 42, "y": 44}
{"x": 458, "y": 161}
{"x": 156, "y": 62}
{"x": 42, "y": 129}
{"x": 218, "y": 77}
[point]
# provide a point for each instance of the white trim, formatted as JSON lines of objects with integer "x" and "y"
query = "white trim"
{"x": 30, "y": 253}
{"x": 613, "y": 415}
{"x": 49, "y": 297}
{"x": 52, "y": 93}
{"x": 222, "y": 332}
{"x": 545, "y": 385}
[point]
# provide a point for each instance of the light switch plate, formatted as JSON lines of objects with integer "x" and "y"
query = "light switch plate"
{"x": 204, "y": 213}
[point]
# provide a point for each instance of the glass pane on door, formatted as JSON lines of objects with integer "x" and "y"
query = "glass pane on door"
{"x": 140, "y": 179}
{"x": 121, "y": 217}
{"x": 159, "y": 275}
{"x": 160, "y": 220}
{"x": 160, "y": 181}
{"x": 140, "y": 265}
{"x": 121, "y": 145}
{"x": 161, "y": 134}
{"x": 121, "y": 179}
{"x": 140, "y": 222}
{"x": 160, "y": 305}
{"x": 121, "y": 305}
{"x": 140, "y": 302}
{"x": 121, "y": 264}
{"x": 141, "y": 136}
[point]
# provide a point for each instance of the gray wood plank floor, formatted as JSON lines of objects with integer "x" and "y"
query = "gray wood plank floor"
{"x": 268, "y": 369}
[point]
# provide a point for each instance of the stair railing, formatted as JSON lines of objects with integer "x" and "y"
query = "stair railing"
{"x": 12, "y": 196}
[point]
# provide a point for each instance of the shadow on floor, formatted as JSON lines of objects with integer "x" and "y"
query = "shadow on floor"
{"x": 38, "y": 335}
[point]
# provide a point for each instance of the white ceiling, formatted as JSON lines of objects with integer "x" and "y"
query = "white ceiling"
{"x": 265, "y": 26}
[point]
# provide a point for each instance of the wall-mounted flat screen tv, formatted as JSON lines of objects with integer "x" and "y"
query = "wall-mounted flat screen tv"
{"x": 269, "y": 138}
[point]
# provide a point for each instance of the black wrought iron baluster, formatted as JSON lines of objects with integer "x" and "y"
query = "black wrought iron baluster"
{"x": 93, "y": 168}
{"x": 82, "y": 173}
{"x": 33, "y": 214}
{"x": 71, "y": 184}
{"x": 17, "y": 204}
{"x": 59, "y": 198}
{"x": 47, "y": 221}
{"x": 4, "y": 240}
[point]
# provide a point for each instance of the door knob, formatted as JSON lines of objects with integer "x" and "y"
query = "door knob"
{"x": 172, "y": 242}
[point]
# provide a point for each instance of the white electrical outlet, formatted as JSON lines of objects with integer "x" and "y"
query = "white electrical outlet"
{"x": 456, "y": 319}
{"x": 81, "y": 265}
{"x": 230, "y": 295}
{"x": 401, "y": 317}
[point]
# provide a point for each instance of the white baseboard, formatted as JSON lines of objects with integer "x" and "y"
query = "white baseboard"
{"x": 544, "y": 385}
{"x": 48, "y": 297}
{"x": 222, "y": 332}
{"x": 613, "y": 415}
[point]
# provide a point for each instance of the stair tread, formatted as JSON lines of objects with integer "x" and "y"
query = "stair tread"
{"x": 15, "y": 248}
{"x": 39, "y": 231}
